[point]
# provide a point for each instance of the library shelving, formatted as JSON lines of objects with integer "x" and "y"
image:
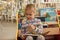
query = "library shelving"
{"x": 47, "y": 6}
{"x": 9, "y": 8}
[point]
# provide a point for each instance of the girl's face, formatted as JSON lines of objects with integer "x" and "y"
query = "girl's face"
{"x": 30, "y": 14}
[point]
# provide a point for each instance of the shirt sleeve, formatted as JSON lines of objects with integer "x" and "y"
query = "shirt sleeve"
{"x": 22, "y": 24}
{"x": 39, "y": 29}
{"x": 19, "y": 26}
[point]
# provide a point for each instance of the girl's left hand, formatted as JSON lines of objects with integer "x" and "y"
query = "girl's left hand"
{"x": 33, "y": 27}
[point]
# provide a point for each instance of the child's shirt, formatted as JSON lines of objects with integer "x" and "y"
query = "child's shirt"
{"x": 25, "y": 26}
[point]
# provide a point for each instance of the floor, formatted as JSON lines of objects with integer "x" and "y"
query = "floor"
{"x": 7, "y": 30}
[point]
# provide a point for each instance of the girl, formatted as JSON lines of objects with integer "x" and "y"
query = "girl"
{"x": 32, "y": 23}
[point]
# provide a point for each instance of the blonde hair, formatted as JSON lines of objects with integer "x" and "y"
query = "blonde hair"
{"x": 29, "y": 6}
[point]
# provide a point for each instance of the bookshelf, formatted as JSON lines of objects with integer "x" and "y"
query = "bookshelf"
{"x": 49, "y": 6}
{"x": 54, "y": 4}
{"x": 41, "y": 4}
{"x": 9, "y": 9}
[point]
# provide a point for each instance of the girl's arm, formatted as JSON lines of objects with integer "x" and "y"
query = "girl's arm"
{"x": 39, "y": 28}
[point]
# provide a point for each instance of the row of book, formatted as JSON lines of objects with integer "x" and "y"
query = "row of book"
{"x": 49, "y": 0}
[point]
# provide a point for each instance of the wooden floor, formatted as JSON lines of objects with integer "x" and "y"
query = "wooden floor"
{"x": 7, "y": 30}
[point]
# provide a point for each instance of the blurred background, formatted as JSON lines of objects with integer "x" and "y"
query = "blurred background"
{"x": 48, "y": 11}
{"x": 8, "y": 10}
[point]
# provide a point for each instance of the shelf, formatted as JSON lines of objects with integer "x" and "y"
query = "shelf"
{"x": 49, "y": 2}
{"x": 53, "y": 31}
{"x": 50, "y": 22}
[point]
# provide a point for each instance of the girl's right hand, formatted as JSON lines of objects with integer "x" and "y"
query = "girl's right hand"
{"x": 23, "y": 36}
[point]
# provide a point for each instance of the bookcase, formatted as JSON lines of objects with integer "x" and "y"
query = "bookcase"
{"x": 50, "y": 5}
{"x": 9, "y": 9}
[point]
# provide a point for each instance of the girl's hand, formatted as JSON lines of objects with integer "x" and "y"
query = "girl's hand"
{"x": 23, "y": 37}
{"x": 33, "y": 27}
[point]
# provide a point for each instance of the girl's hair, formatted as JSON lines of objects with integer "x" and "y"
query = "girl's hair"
{"x": 29, "y": 6}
